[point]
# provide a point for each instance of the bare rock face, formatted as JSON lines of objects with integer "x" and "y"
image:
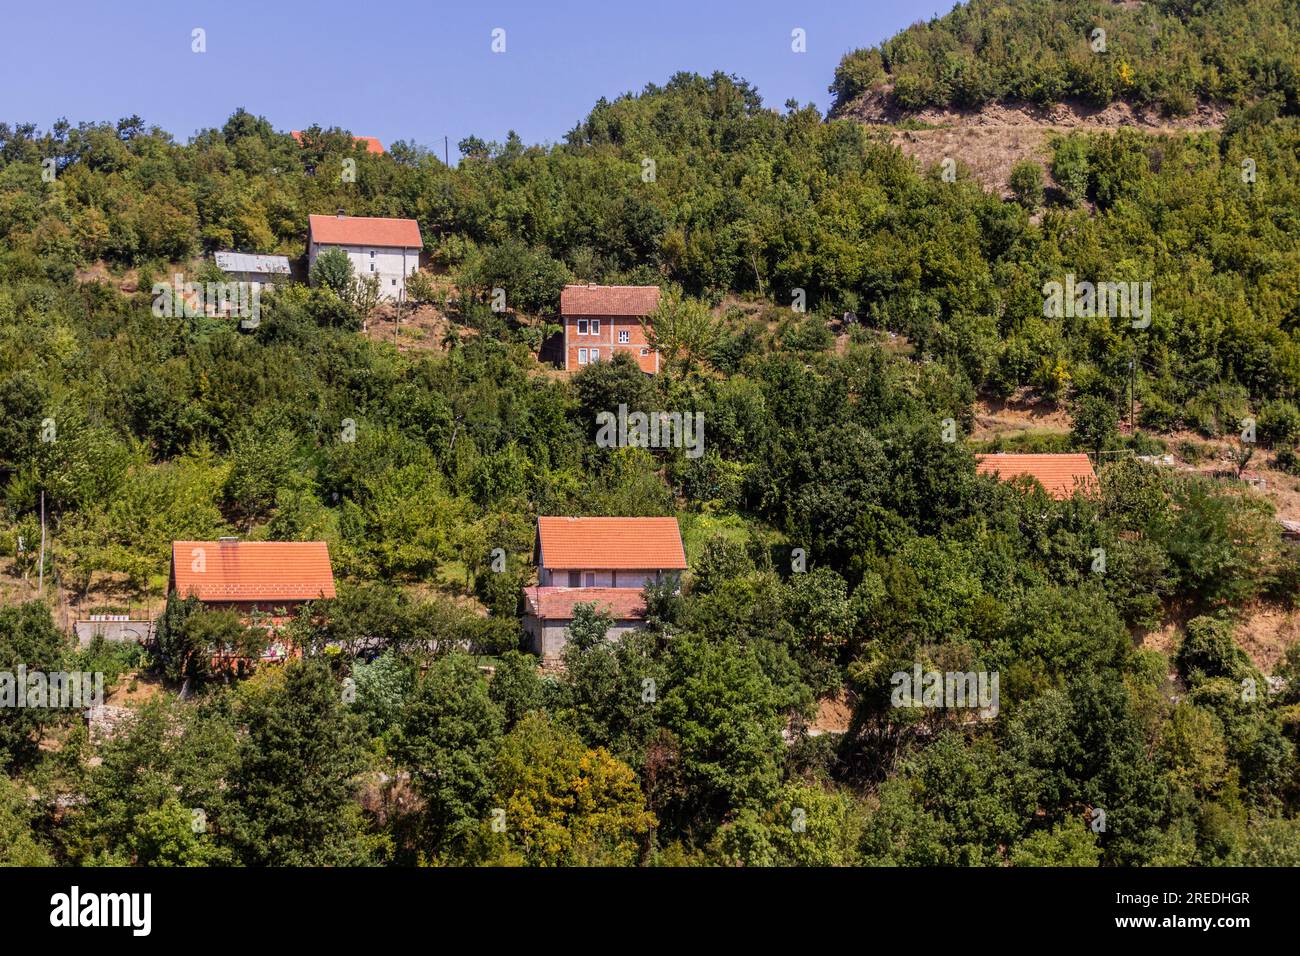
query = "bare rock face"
{"x": 105, "y": 721}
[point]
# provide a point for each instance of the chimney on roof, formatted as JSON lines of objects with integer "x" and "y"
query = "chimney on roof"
{"x": 228, "y": 539}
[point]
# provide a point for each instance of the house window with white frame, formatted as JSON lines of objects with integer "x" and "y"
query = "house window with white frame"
{"x": 595, "y": 355}
{"x": 582, "y": 356}
{"x": 582, "y": 326}
{"x": 624, "y": 336}
{"x": 595, "y": 326}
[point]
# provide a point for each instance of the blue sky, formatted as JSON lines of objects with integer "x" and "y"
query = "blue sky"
{"x": 406, "y": 69}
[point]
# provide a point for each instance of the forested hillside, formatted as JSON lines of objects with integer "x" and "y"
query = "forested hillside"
{"x": 414, "y": 718}
{"x": 1171, "y": 53}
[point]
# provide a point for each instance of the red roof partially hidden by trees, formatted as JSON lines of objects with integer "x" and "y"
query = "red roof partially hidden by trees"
{"x": 1059, "y": 475}
{"x": 609, "y": 299}
{"x": 611, "y": 544}
{"x": 252, "y": 570}
{"x": 373, "y": 145}
{"x": 365, "y": 231}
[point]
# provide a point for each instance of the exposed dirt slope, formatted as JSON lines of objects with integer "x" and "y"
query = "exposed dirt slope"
{"x": 1022, "y": 413}
{"x": 989, "y": 141}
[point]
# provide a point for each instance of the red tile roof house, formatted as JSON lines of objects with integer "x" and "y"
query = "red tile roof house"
{"x": 601, "y": 320}
{"x": 373, "y": 145}
{"x": 601, "y": 561}
{"x": 272, "y": 578}
{"x": 387, "y": 248}
{"x": 1059, "y": 475}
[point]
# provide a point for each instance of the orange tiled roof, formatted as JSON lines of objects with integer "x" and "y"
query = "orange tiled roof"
{"x": 372, "y": 144}
{"x": 365, "y": 231}
{"x": 1058, "y": 474}
{"x": 609, "y": 299}
{"x": 611, "y": 544}
{"x": 253, "y": 570}
{"x": 622, "y": 604}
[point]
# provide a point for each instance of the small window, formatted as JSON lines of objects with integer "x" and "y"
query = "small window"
{"x": 624, "y": 336}
{"x": 575, "y": 579}
{"x": 372, "y": 253}
{"x": 645, "y": 351}
{"x": 595, "y": 326}
{"x": 591, "y": 579}
{"x": 582, "y": 356}
{"x": 582, "y": 326}
{"x": 595, "y": 355}
{"x": 372, "y": 267}
{"x": 394, "y": 282}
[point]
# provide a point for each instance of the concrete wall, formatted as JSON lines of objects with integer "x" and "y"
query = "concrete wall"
{"x": 262, "y": 278}
{"x": 141, "y": 631}
{"x": 547, "y": 639}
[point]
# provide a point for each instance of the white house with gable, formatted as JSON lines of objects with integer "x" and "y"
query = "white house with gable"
{"x": 387, "y": 248}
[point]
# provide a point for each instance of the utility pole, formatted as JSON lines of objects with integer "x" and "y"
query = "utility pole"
{"x": 40, "y": 579}
{"x": 397, "y": 321}
{"x": 1132, "y": 388}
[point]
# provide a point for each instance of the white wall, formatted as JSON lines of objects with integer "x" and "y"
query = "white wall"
{"x": 604, "y": 579}
{"x": 392, "y": 265}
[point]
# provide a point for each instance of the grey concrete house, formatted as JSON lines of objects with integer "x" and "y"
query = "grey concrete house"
{"x": 602, "y": 561}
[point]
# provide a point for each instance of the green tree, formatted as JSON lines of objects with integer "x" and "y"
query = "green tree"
{"x": 1209, "y": 650}
{"x": 808, "y": 826}
{"x": 589, "y": 626}
{"x": 516, "y": 687}
{"x": 293, "y": 788}
{"x": 451, "y": 729}
{"x": 683, "y": 330}
{"x": 722, "y": 709}
{"x": 19, "y": 843}
{"x": 564, "y": 804}
{"x": 333, "y": 270}
{"x": 612, "y": 688}
{"x": 160, "y": 796}
{"x": 1026, "y": 183}
{"x": 382, "y": 689}
{"x": 1070, "y": 168}
{"x": 1094, "y": 425}
{"x": 1069, "y": 843}
{"x": 28, "y": 639}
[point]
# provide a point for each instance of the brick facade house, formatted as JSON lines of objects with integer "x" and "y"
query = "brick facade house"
{"x": 266, "y": 579}
{"x": 603, "y": 320}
